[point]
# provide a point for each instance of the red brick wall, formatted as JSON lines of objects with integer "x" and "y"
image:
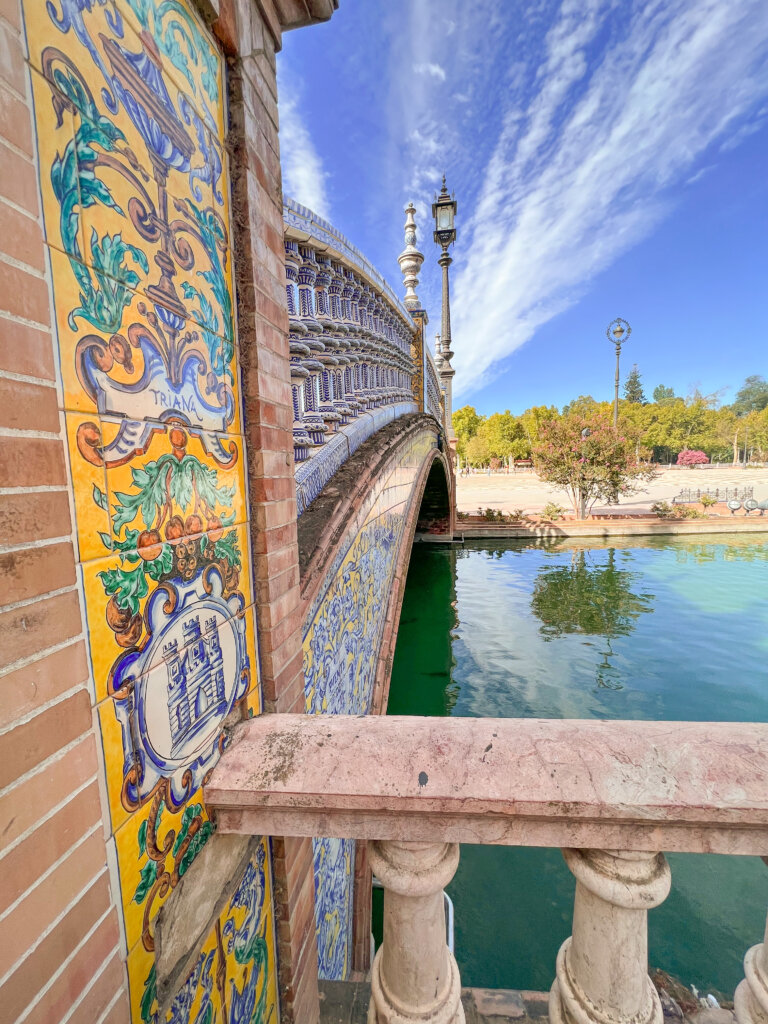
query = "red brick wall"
{"x": 60, "y": 958}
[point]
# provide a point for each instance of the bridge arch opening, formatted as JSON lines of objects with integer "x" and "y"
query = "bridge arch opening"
{"x": 435, "y": 509}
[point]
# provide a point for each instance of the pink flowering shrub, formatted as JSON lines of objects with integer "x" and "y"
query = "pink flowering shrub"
{"x": 590, "y": 460}
{"x": 692, "y": 457}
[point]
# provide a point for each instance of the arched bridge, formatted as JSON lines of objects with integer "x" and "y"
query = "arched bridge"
{"x": 372, "y": 472}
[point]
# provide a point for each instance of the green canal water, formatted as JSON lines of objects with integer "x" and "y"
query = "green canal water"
{"x": 665, "y": 630}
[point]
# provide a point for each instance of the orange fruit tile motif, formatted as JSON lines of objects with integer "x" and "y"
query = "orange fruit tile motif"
{"x": 130, "y": 117}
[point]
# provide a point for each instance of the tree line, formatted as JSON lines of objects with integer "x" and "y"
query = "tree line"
{"x": 665, "y": 426}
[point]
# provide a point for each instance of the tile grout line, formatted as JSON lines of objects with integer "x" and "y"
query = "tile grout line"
{"x": 14, "y": 666}
{"x": 30, "y": 716}
{"x": 28, "y": 601}
{"x": 54, "y": 924}
{"x": 8, "y": 549}
{"x": 47, "y": 816}
{"x": 55, "y": 977}
{"x": 46, "y": 874}
{"x": 47, "y": 763}
{"x": 97, "y": 974}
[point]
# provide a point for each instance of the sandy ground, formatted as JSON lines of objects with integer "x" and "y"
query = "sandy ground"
{"x": 524, "y": 489}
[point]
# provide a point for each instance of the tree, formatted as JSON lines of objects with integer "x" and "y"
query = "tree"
{"x": 633, "y": 387}
{"x": 752, "y": 396}
{"x": 584, "y": 405}
{"x": 662, "y": 395}
{"x": 589, "y": 459}
{"x": 477, "y": 451}
{"x": 465, "y": 422}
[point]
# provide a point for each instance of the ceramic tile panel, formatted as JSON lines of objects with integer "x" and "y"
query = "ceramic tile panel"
{"x": 89, "y": 487}
{"x": 334, "y": 861}
{"x": 130, "y": 115}
{"x": 155, "y": 847}
{"x": 234, "y": 976}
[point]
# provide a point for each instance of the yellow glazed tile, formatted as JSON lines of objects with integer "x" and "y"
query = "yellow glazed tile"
{"x": 154, "y": 850}
{"x": 55, "y": 138}
{"x": 141, "y": 984}
{"x": 66, "y": 298}
{"x": 89, "y": 486}
{"x": 166, "y": 208}
{"x": 180, "y": 483}
{"x": 136, "y": 605}
{"x": 116, "y": 764}
{"x": 248, "y": 933}
{"x": 189, "y": 55}
{"x": 114, "y": 619}
{"x": 235, "y": 969}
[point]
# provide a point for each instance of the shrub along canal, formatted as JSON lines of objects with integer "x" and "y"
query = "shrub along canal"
{"x": 659, "y": 628}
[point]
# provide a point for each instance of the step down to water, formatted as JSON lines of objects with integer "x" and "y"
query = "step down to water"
{"x": 346, "y": 1002}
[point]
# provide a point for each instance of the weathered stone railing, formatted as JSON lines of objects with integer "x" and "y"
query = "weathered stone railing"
{"x": 350, "y": 343}
{"x": 612, "y": 795}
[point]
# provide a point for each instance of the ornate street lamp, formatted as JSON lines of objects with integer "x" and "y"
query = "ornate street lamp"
{"x": 444, "y": 212}
{"x": 617, "y": 332}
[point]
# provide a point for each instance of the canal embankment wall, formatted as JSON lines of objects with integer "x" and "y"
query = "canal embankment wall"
{"x": 600, "y": 528}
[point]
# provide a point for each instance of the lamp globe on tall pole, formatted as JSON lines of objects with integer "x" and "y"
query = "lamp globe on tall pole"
{"x": 617, "y": 332}
{"x": 444, "y": 212}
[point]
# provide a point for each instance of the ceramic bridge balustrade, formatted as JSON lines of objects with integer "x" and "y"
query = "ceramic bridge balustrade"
{"x": 612, "y": 795}
{"x": 350, "y": 351}
{"x": 350, "y": 340}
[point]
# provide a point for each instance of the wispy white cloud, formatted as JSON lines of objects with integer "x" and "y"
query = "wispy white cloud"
{"x": 588, "y": 168}
{"x": 304, "y": 176}
{"x": 430, "y": 69}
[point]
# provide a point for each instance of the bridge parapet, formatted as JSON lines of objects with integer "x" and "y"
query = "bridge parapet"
{"x": 351, "y": 342}
{"x": 612, "y": 795}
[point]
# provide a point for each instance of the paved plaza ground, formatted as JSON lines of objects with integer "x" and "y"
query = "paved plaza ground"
{"x": 524, "y": 489}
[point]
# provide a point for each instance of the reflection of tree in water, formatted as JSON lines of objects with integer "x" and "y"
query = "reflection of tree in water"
{"x": 594, "y": 600}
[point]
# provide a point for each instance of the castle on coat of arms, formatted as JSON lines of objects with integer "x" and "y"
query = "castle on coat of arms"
{"x": 195, "y": 680}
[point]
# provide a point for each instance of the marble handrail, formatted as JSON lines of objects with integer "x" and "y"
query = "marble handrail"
{"x": 696, "y": 787}
{"x": 612, "y": 795}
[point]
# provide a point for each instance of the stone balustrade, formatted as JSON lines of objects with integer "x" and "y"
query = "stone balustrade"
{"x": 612, "y": 795}
{"x": 350, "y": 343}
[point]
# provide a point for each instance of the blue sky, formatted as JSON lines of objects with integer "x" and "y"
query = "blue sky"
{"x": 609, "y": 158}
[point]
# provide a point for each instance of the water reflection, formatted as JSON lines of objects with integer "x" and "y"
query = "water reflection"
{"x": 667, "y": 629}
{"x": 589, "y": 597}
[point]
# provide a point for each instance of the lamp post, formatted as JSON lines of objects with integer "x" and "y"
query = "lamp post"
{"x": 444, "y": 212}
{"x": 617, "y": 332}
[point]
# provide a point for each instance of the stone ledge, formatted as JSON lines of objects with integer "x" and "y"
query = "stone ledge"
{"x": 692, "y": 787}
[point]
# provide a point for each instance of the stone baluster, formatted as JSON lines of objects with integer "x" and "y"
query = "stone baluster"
{"x": 367, "y": 347}
{"x": 414, "y": 975}
{"x": 351, "y": 296}
{"x": 292, "y": 265}
{"x": 302, "y": 440}
{"x": 339, "y": 331}
{"x": 328, "y": 357}
{"x": 602, "y": 969}
{"x": 342, "y": 289}
{"x": 750, "y": 1003}
{"x": 307, "y": 275}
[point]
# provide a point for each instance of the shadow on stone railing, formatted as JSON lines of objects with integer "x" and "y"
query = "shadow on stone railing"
{"x": 612, "y": 795}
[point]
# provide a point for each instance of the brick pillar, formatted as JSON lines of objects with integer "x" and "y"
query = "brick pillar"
{"x": 62, "y": 952}
{"x": 264, "y": 354}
